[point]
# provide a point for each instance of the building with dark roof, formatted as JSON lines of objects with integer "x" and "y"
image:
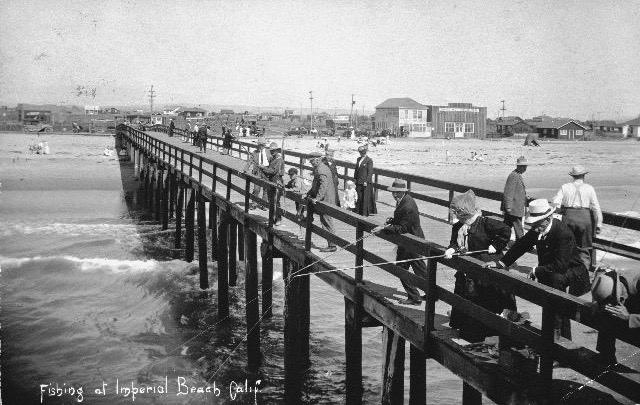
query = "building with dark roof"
{"x": 562, "y": 128}
{"x": 631, "y": 128}
{"x": 512, "y": 125}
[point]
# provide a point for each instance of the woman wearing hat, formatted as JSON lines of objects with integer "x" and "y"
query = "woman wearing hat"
{"x": 616, "y": 291}
{"x": 474, "y": 232}
{"x": 579, "y": 205}
{"x": 406, "y": 219}
{"x": 559, "y": 262}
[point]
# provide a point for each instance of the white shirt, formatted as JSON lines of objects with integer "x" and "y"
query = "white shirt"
{"x": 579, "y": 195}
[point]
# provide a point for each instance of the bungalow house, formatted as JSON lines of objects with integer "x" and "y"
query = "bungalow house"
{"x": 512, "y": 125}
{"x": 561, "y": 129}
{"x": 605, "y": 126}
{"x": 631, "y": 128}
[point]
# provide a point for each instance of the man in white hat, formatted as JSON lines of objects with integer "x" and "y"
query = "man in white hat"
{"x": 406, "y": 219}
{"x": 579, "y": 205}
{"x": 323, "y": 189}
{"x": 616, "y": 293}
{"x": 559, "y": 262}
{"x": 514, "y": 197}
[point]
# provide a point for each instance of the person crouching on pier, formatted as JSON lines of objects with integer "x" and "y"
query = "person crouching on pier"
{"x": 406, "y": 219}
{"x": 471, "y": 233}
{"x": 559, "y": 262}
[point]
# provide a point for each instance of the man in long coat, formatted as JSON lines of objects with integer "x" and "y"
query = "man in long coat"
{"x": 406, "y": 219}
{"x": 323, "y": 189}
{"x": 514, "y": 198}
{"x": 256, "y": 159}
{"x": 331, "y": 164}
{"x": 363, "y": 176}
{"x": 274, "y": 173}
{"x": 172, "y": 127}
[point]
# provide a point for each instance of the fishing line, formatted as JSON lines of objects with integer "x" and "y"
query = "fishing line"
{"x": 620, "y": 228}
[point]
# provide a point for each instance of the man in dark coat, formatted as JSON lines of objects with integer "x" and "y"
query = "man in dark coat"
{"x": 559, "y": 262}
{"x": 514, "y": 198}
{"x": 363, "y": 176}
{"x": 331, "y": 164}
{"x": 201, "y": 138}
{"x": 274, "y": 173}
{"x": 406, "y": 219}
{"x": 172, "y": 127}
{"x": 226, "y": 142}
{"x": 256, "y": 159}
{"x": 323, "y": 189}
{"x": 474, "y": 233}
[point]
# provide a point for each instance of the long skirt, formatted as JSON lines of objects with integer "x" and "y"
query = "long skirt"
{"x": 366, "y": 200}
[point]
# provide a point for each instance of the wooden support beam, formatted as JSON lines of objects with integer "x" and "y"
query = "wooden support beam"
{"x": 251, "y": 301}
{"x": 223, "y": 266}
{"x": 166, "y": 190}
{"x": 233, "y": 245}
{"x": 267, "y": 278}
{"x": 150, "y": 187}
{"x": 470, "y": 395}
{"x": 189, "y": 226}
{"x": 296, "y": 331}
{"x": 173, "y": 190}
{"x": 240, "y": 241}
{"x": 213, "y": 217}
{"x": 548, "y": 340}
{"x": 392, "y": 368}
{"x": 353, "y": 351}
{"x": 202, "y": 243}
{"x": 157, "y": 198}
{"x": 179, "y": 204}
{"x": 417, "y": 376}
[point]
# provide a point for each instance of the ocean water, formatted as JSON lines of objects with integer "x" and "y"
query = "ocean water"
{"x": 96, "y": 309}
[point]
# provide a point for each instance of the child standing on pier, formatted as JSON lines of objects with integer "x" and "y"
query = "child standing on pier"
{"x": 296, "y": 184}
{"x": 350, "y": 196}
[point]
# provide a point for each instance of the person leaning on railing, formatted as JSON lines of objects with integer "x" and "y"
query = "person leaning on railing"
{"x": 472, "y": 233}
{"x": 616, "y": 291}
{"x": 559, "y": 262}
{"x": 323, "y": 189}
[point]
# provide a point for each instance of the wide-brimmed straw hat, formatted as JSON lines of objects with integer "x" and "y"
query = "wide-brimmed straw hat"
{"x": 538, "y": 210}
{"x": 522, "y": 161}
{"x": 274, "y": 147}
{"x": 398, "y": 185}
{"x": 606, "y": 284}
{"x": 464, "y": 205}
{"x": 578, "y": 170}
{"x": 362, "y": 148}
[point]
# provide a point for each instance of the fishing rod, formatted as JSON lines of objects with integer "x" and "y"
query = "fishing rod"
{"x": 391, "y": 262}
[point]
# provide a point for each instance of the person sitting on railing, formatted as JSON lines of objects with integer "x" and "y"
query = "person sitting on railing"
{"x": 559, "y": 262}
{"x": 274, "y": 173}
{"x": 323, "y": 189}
{"x": 406, "y": 219}
{"x": 472, "y": 233}
{"x": 616, "y": 291}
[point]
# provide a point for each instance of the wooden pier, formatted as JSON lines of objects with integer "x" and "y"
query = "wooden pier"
{"x": 179, "y": 183}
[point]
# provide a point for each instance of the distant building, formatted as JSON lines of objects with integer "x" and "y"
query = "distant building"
{"x": 33, "y": 114}
{"x": 631, "y": 128}
{"x": 605, "y": 126}
{"x": 91, "y": 109}
{"x": 287, "y": 113}
{"x": 459, "y": 120}
{"x": 403, "y": 117}
{"x": 512, "y": 125}
{"x": 111, "y": 110}
{"x": 171, "y": 110}
{"x": 228, "y": 112}
{"x": 338, "y": 123}
{"x": 562, "y": 128}
{"x": 192, "y": 112}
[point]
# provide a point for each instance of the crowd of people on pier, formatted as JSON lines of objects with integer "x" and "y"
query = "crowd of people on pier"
{"x": 561, "y": 231}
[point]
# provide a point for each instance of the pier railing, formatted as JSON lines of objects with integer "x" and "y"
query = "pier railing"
{"x": 365, "y": 304}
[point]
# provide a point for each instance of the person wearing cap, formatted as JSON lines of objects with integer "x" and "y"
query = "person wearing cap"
{"x": 559, "y": 262}
{"x": 296, "y": 184}
{"x": 514, "y": 198}
{"x": 255, "y": 160}
{"x": 472, "y": 233}
{"x": 274, "y": 173}
{"x": 363, "y": 176}
{"x": 406, "y": 219}
{"x": 323, "y": 189}
{"x": 616, "y": 293}
{"x": 331, "y": 164}
{"x": 201, "y": 138}
{"x": 579, "y": 207}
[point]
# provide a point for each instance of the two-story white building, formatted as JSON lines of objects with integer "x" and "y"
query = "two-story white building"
{"x": 404, "y": 117}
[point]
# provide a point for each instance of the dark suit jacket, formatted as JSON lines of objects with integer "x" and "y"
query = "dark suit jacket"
{"x": 406, "y": 219}
{"x": 364, "y": 170}
{"x": 514, "y": 196}
{"x": 482, "y": 233}
{"x": 557, "y": 252}
{"x": 275, "y": 170}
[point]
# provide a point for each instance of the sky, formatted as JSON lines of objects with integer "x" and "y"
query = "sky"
{"x": 578, "y": 59}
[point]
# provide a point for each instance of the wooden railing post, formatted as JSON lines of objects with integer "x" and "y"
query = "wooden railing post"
{"x": 376, "y": 184}
{"x": 189, "y": 225}
{"x": 202, "y": 242}
{"x": 251, "y": 298}
{"x": 548, "y": 333}
{"x": 213, "y": 217}
{"x": 166, "y": 190}
{"x": 353, "y": 329}
{"x": 172, "y": 192}
{"x": 450, "y": 216}
{"x": 179, "y": 205}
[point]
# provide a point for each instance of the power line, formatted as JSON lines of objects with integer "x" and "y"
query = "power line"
{"x": 503, "y": 109}
{"x": 152, "y": 95}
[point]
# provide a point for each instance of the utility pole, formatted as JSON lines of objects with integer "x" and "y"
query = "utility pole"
{"x": 503, "y": 109}
{"x": 152, "y": 95}
{"x": 311, "y": 110}
{"x": 351, "y": 114}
